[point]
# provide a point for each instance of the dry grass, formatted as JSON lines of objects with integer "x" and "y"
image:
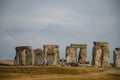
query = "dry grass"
{"x": 56, "y": 73}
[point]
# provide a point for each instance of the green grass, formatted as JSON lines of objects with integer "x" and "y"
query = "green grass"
{"x": 38, "y": 70}
{"x": 50, "y": 73}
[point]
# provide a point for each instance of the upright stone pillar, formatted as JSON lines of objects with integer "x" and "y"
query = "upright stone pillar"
{"x": 71, "y": 54}
{"x": 56, "y": 52}
{"x": 116, "y": 57}
{"x": 39, "y": 57}
{"x": 100, "y": 54}
{"x": 97, "y": 55}
{"x": 82, "y": 55}
{"x": 105, "y": 57}
{"x": 24, "y": 55}
{"x": 51, "y": 53}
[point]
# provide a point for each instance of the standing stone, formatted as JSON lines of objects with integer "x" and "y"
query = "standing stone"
{"x": 24, "y": 55}
{"x": 105, "y": 57}
{"x": 116, "y": 57}
{"x": 82, "y": 55}
{"x": 97, "y": 55}
{"x": 71, "y": 54}
{"x": 100, "y": 54}
{"x": 51, "y": 53}
{"x": 39, "y": 57}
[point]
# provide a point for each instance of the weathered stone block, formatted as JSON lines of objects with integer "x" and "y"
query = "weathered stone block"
{"x": 105, "y": 57}
{"x": 79, "y": 45}
{"x": 100, "y": 54}
{"x": 82, "y": 55}
{"x": 24, "y": 55}
{"x": 101, "y": 43}
{"x": 51, "y": 54}
{"x": 39, "y": 57}
{"x": 97, "y": 55}
{"x": 116, "y": 57}
{"x": 71, "y": 54}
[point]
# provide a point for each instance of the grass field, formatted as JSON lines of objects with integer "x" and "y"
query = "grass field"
{"x": 57, "y": 73}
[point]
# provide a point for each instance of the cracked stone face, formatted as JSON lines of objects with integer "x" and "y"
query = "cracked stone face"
{"x": 51, "y": 54}
{"x": 71, "y": 55}
{"x": 39, "y": 57}
{"x": 24, "y": 55}
{"x": 100, "y": 54}
{"x": 116, "y": 57}
{"x": 82, "y": 55}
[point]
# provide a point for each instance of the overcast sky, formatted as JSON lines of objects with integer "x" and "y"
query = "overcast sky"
{"x": 61, "y": 22}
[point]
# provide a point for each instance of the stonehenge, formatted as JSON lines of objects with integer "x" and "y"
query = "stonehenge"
{"x": 51, "y": 53}
{"x": 100, "y": 54}
{"x": 24, "y": 55}
{"x": 39, "y": 60}
{"x": 71, "y": 54}
{"x": 82, "y": 52}
{"x": 76, "y": 55}
{"x": 77, "y": 60}
{"x": 116, "y": 57}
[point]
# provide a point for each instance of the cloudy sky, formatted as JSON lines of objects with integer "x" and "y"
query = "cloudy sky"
{"x": 62, "y": 22}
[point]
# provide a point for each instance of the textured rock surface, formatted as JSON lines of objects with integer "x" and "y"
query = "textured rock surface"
{"x": 97, "y": 55}
{"x": 79, "y": 45}
{"x": 100, "y": 54}
{"x": 71, "y": 54}
{"x": 82, "y": 55}
{"x": 51, "y": 54}
{"x": 105, "y": 57}
{"x": 116, "y": 57}
{"x": 39, "y": 57}
{"x": 24, "y": 55}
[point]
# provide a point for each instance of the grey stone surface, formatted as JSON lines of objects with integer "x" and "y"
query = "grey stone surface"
{"x": 51, "y": 53}
{"x": 100, "y": 54}
{"x": 116, "y": 57}
{"x": 82, "y": 55}
{"x": 39, "y": 57}
{"x": 24, "y": 55}
{"x": 71, "y": 54}
{"x": 105, "y": 57}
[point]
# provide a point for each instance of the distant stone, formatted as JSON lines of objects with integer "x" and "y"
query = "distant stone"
{"x": 39, "y": 57}
{"x": 116, "y": 57}
{"x": 24, "y": 55}
{"x": 100, "y": 54}
{"x": 51, "y": 55}
{"x": 71, "y": 54}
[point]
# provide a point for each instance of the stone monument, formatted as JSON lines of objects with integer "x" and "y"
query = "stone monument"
{"x": 39, "y": 57}
{"x": 24, "y": 55}
{"x": 100, "y": 54}
{"x": 71, "y": 55}
{"x": 51, "y": 55}
{"x": 116, "y": 57}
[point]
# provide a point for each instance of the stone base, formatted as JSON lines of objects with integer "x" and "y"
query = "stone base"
{"x": 84, "y": 64}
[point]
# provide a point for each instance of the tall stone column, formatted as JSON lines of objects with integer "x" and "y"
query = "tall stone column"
{"x": 105, "y": 57}
{"x": 82, "y": 55}
{"x": 100, "y": 54}
{"x": 56, "y": 52}
{"x": 97, "y": 55}
{"x": 71, "y": 54}
{"x": 45, "y": 53}
{"x": 51, "y": 53}
{"x": 24, "y": 55}
{"x": 116, "y": 57}
{"x": 39, "y": 57}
